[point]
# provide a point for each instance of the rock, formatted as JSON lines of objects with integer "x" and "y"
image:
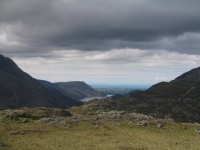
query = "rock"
{"x": 112, "y": 117}
{"x": 138, "y": 117}
{"x": 57, "y": 121}
{"x": 115, "y": 141}
{"x": 74, "y": 123}
{"x": 171, "y": 130}
{"x": 197, "y": 130}
{"x": 45, "y": 120}
{"x": 130, "y": 123}
{"x": 96, "y": 118}
{"x": 14, "y": 132}
{"x": 169, "y": 121}
{"x": 158, "y": 125}
{"x": 118, "y": 124}
{"x": 143, "y": 123}
{"x": 77, "y": 117}
{"x": 160, "y": 121}
{"x": 15, "y": 114}
{"x": 102, "y": 120}
{"x": 111, "y": 112}
{"x": 86, "y": 118}
{"x": 68, "y": 126}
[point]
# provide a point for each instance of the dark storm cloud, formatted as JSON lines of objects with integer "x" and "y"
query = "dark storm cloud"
{"x": 44, "y": 25}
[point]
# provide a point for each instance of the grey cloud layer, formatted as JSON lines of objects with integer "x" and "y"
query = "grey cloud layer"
{"x": 45, "y": 25}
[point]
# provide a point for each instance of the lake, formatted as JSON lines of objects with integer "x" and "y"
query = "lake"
{"x": 90, "y": 98}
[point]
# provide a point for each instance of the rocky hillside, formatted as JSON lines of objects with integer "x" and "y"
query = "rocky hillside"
{"x": 18, "y": 89}
{"x": 76, "y": 90}
{"x": 178, "y": 99}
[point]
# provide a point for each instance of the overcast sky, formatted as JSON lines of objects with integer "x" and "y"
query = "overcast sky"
{"x": 102, "y": 41}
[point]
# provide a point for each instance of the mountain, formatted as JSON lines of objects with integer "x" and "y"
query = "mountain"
{"x": 178, "y": 99}
{"x": 59, "y": 95}
{"x": 192, "y": 75}
{"x": 18, "y": 89}
{"x": 76, "y": 90}
{"x": 134, "y": 91}
{"x": 119, "y": 96}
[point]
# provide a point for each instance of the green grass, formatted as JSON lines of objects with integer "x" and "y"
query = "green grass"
{"x": 108, "y": 136}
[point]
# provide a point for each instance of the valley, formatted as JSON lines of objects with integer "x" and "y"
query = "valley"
{"x": 164, "y": 116}
{"x": 99, "y": 75}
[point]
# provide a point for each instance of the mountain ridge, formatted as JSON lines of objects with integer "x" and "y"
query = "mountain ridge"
{"x": 178, "y": 99}
{"x": 192, "y": 75}
{"x": 76, "y": 90}
{"x": 19, "y": 89}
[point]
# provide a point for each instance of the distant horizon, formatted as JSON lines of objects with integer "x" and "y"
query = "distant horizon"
{"x": 96, "y": 85}
{"x": 121, "y": 85}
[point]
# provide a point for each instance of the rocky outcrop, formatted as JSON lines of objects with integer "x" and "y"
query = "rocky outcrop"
{"x": 99, "y": 117}
{"x": 60, "y": 117}
{"x": 34, "y": 113}
{"x": 178, "y": 100}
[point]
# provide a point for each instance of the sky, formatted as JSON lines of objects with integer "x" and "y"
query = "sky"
{"x": 103, "y": 41}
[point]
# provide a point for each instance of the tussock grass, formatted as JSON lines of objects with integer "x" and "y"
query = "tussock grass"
{"x": 108, "y": 136}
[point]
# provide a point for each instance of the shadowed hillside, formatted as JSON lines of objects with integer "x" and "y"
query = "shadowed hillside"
{"x": 76, "y": 90}
{"x": 192, "y": 75}
{"x": 18, "y": 89}
{"x": 178, "y": 99}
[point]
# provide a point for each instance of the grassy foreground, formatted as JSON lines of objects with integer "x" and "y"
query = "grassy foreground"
{"x": 108, "y": 136}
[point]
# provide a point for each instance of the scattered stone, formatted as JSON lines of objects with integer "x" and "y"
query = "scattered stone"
{"x": 102, "y": 120}
{"x": 68, "y": 126}
{"x": 143, "y": 123}
{"x": 60, "y": 121}
{"x": 171, "y": 130}
{"x": 76, "y": 117}
{"x": 115, "y": 141}
{"x": 137, "y": 117}
{"x": 14, "y": 132}
{"x": 45, "y": 120}
{"x": 96, "y": 118}
{"x": 74, "y": 123}
{"x": 158, "y": 125}
{"x": 118, "y": 124}
{"x": 197, "y": 130}
{"x": 160, "y": 121}
{"x": 86, "y": 118}
{"x": 130, "y": 123}
{"x": 57, "y": 121}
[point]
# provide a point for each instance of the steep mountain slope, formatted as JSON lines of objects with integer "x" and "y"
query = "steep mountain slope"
{"x": 192, "y": 75}
{"x": 63, "y": 98}
{"x": 18, "y": 89}
{"x": 178, "y": 99}
{"x": 75, "y": 90}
